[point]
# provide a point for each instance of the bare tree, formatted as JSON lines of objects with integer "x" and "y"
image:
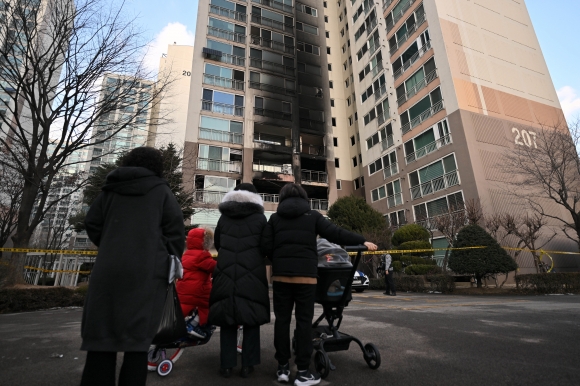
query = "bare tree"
{"x": 548, "y": 165}
{"x": 54, "y": 58}
{"x": 10, "y": 195}
{"x": 449, "y": 224}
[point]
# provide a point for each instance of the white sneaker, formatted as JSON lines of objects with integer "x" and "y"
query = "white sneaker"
{"x": 306, "y": 378}
{"x": 283, "y": 373}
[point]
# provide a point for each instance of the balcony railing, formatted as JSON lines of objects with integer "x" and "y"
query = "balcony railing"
{"x": 220, "y": 136}
{"x": 273, "y": 113}
{"x": 208, "y": 196}
{"x": 224, "y": 58}
{"x": 219, "y": 165}
{"x": 276, "y": 5}
{"x": 382, "y": 118}
{"x": 386, "y": 4}
{"x": 368, "y": 9}
{"x": 390, "y": 170}
{"x": 387, "y": 143}
{"x": 271, "y": 66}
{"x": 371, "y": 27}
{"x": 429, "y": 148}
{"x": 377, "y": 69}
{"x": 223, "y": 82}
{"x": 319, "y": 150}
{"x": 311, "y": 124}
{"x": 407, "y": 34}
{"x": 265, "y": 21}
{"x": 227, "y": 13}
{"x": 271, "y": 198}
{"x": 375, "y": 44}
{"x": 418, "y": 87}
{"x": 395, "y": 200}
{"x": 426, "y": 47}
{"x": 400, "y": 14}
{"x": 272, "y": 88}
{"x": 222, "y": 108}
{"x": 282, "y": 169}
{"x": 224, "y": 34}
{"x": 430, "y": 223}
{"x": 380, "y": 92}
{"x": 435, "y": 185}
{"x": 314, "y": 176}
{"x": 278, "y": 46}
{"x": 269, "y": 139}
{"x": 316, "y": 204}
{"x": 423, "y": 116}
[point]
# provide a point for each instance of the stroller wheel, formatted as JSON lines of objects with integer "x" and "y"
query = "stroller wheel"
{"x": 372, "y": 356}
{"x": 322, "y": 363}
{"x": 165, "y": 367}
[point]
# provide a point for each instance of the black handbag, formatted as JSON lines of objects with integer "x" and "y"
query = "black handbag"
{"x": 172, "y": 325}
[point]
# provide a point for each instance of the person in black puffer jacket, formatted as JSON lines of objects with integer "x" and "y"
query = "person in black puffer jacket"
{"x": 239, "y": 295}
{"x": 290, "y": 241}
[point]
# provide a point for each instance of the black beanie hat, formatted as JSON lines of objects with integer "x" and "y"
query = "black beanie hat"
{"x": 247, "y": 186}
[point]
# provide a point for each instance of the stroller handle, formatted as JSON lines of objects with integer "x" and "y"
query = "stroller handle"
{"x": 356, "y": 248}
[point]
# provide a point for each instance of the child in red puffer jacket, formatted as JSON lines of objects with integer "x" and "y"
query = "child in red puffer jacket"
{"x": 194, "y": 289}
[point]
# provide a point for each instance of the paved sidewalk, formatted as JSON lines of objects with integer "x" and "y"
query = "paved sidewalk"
{"x": 424, "y": 340}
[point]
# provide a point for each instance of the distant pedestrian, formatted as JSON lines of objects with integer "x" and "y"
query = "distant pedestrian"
{"x": 137, "y": 223}
{"x": 389, "y": 279}
{"x": 239, "y": 295}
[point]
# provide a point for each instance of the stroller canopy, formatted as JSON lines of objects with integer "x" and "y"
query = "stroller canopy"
{"x": 330, "y": 254}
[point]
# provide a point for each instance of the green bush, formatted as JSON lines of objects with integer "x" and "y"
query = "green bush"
{"x": 82, "y": 290}
{"x": 410, "y": 232}
{"x": 416, "y": 244}
{"x": 441, "y": 283}
{"x": 355, "y": 214}
{"x": 406, "y": 283}
{"x": 377, "y": 284}
{"x": 20, "y": 300}
{"x": 422, "y": 269}
{"x": 549, "y": 283}
{"x": 479, "y": 262}
{"x": 397, "y": 266}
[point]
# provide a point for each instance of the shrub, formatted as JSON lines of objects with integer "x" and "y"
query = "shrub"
{"x": 441, "y": 283}
{"x": 376, "y": 284}
{"x": 479, "y": 262}
{"x": 422, "y": 269}
{"x": 549, "y": 283}
{"x": 397, "y": 266}
{"x": 32, "y": 299}
{"x": 355, "y": 214}
{"x": 407, "y": 260}
{"x": 416, "y": 244}
{"x": 410, "y": 232}
{"x": 410, "y": 283}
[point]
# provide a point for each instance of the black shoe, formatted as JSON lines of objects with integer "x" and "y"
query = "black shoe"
{"x": 393, "y": 294}
{"x": 386, "y": 293}
{"x": 306, "y": 378}
{"x": 226, "y": 373}
{"x": 246, "y": 371}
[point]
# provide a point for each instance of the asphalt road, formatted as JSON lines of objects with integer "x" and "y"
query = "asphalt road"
{"x": 423, "y": 340}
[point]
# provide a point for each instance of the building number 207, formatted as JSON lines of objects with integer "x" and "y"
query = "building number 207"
{"x": 525, "y": 138}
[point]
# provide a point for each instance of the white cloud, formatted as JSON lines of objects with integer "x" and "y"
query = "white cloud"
{"x": 170, "y": 34}
{"x": 570, "y": 101}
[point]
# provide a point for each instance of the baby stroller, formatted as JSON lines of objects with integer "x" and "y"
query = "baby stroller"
{"x": 333, "y": 292}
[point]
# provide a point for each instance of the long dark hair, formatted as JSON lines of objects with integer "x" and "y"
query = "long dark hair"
{"x": 292, "y": 190}
{"x": 145, "y": 157}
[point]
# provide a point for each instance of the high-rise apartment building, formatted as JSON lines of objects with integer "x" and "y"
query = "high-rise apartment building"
{"x": 410, "y": 103}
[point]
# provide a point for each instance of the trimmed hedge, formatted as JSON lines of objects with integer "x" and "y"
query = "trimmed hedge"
{"x": 21, "y": 300}
{"x": 404, "y": 283}
{"x": 441, "y": 283}
{"x": 549, "y": 283}
{"x": 417, "y": 244}
{"x": 422, "y": 269}
{"x": 410, "y": 232}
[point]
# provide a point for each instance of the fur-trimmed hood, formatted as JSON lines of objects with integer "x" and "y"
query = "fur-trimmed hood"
{"x": 200, "y": 238}
{"x": 241, "y": 203}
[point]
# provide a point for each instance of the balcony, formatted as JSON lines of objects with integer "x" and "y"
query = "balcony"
{"x": 390, "y": 170}
{"x": 221, "y": 136}
{"x": 219, "y": 165}
{"x": 227, "y": 13}
{"x": 429, "y": 148}
{"x": 223, "y": 82}
{"x": 276, "y": 5}
{"x": 382, "y": 118}
{"x": 374, "y": 45}
{"x": 272, "y": 114}
{"x": 223, "y": 57}
{"x": 387, "y": 143}
{"x": 311, "y": 124}
{"x": 269, "y": 142}
{"x": 386, "y": 4}
{"x": 380, "y": 92}
{"x": 426, "y": 47}
{"x": 395, "y": 200}
{"x": 208, "y": 196}
{"x": 423, "y": 117}
{"x": 317, "y": 150}
{"x": 274, "y": 45}
{"x": 227, "y": 35}
{"x": 271, "y": 198}
{"x": 418, "y": 87}
{"x": 316, "y": 204}
{"x": 222, "y": 108}
{"x": 377, "y": 69}
{"x": 271, "y": 66}
{"x": 435, "y": 185}
{"x": 368, "y": 9}
{"x": 271, "y": 88}
{"x": 267, "y": 22}
{"x": 400, "y": 14}
{"x": 371, "y": 27}
{"x": 313, "y": 176}
{"x": 279, "y": 169}
{"x": 431, "y": 222}
{"x": 407, "y": 34}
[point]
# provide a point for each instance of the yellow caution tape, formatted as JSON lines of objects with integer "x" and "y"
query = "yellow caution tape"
{"x": 541, "y": 251}
{"x": 55, "y": 251}
{"x": 397, "y": 251}
{"x": 57, "y": 270}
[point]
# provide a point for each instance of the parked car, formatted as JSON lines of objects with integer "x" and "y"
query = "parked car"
{"x": 360, "y": 282}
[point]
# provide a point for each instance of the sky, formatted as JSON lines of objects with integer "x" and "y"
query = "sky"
{"x": 555, "y": 22}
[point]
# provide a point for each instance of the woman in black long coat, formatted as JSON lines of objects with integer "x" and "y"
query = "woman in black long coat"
{"x": 239, "y": 294}
{"x": 136, "y": 222}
